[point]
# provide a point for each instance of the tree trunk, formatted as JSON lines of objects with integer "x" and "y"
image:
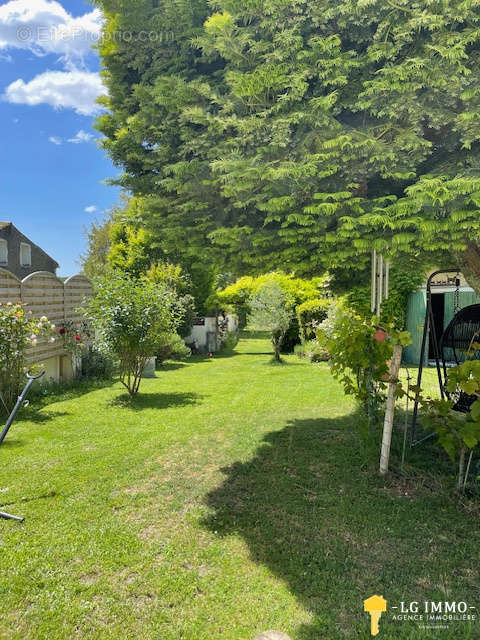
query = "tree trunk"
{"x": 276, "y": 349}
{"x": 468, "y": 261}
{"x": 277, "y": 339}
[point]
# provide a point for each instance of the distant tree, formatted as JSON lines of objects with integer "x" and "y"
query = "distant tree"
{"x": 172, "y": 277}
{"x": 95, "y": 260}
{"x": 137, "y": 249}
{"x": 271, "y": 309}
{"x": 239, "y": 294}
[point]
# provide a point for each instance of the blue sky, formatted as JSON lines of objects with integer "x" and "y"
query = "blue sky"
{"x": 51, "y": 169}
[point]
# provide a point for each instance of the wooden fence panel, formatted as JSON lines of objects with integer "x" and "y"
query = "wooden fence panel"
{"x": 10, "y": 287}
{"x": 78, "y": 289}
{"x": 44, "y": 294}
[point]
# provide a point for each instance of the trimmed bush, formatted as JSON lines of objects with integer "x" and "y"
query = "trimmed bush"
{"x": 172, "y": 347}
{"x": 97, "y": 364}
{"x": 313, "y": 351}
{"x": 310, "y": 314}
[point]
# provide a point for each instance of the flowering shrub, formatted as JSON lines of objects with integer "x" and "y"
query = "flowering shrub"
{"x": 360, "y": 352}
{"x": 132, "y": 318}
{"x": 18, "y": 331}
{"x": 74, "y": 335}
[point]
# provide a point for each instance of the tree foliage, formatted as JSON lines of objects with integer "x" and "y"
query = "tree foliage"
{"x": 299, "y": 133}
{"x": 172, "y": 278}
{"x": 95, "y": 260}
{"x": 133, "y": 319}
{"x": 239, "y": 294}
{"x": 272, "y": 310}
{"x": 359, "y": 354}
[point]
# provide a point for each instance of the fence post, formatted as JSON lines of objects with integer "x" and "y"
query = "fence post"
{"x": 390, "y": 409}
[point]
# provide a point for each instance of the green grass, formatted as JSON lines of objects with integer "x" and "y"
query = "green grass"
{"x": 229, "y": 498}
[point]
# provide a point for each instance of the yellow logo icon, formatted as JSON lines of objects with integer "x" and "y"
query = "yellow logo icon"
{"x": 375, "y": 606}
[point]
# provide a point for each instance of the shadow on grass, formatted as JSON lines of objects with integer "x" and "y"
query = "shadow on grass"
{"x": 155, "y": 400}
{"x": 42, "y": 395}
{"x": 29, "y": 415}
{"x": 204, "y": 357}
{"x": 44, "y": 496}
{"x": 170, "y": 366}
{"x": 336, "y": 534}
{"x": 11, "y": 443}
{"x": 39, "y": 416}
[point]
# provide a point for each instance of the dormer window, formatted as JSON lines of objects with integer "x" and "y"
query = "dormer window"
{"x": 25, "y": 255}
{"x": 3, "y": 251}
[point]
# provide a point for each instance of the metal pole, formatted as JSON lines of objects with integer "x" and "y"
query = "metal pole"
{"x": 20, "y": 401}
{"x": 380, "y": 286}
{"x": 8, "y": 516}
{"x": 387, "y": 279}
{"x": 374, "y": 281}
{"x": 426, "y": 331}
{"x": 420, "y": 368}
{"x": 436, "y": 353}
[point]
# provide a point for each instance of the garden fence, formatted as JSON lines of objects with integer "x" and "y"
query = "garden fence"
{"x": 46, "y": 295}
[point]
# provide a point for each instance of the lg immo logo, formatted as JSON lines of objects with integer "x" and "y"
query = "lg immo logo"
{"x": 428, "y": 614}
{"x": 375, "y": 606}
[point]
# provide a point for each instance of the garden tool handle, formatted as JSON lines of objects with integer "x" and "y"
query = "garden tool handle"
{"x": 37, "y": 377}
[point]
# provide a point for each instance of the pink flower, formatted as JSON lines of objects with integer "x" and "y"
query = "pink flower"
{"x": 62, "y": 331}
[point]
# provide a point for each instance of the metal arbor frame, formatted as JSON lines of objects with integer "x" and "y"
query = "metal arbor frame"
{"x": 430, "y": 332}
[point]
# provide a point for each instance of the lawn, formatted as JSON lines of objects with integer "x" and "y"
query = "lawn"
{"x": 228, "y": 499}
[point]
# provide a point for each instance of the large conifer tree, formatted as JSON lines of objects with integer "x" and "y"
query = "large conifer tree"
{"x": 297, "y": 133}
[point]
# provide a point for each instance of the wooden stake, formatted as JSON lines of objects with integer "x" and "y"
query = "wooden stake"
{"x": 390, "y": 409}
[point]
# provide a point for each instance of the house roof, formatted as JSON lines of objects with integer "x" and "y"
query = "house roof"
{"x": 5, "y": 225}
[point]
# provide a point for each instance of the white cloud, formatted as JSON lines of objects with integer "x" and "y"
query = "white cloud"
{"x": 55, "y": 140}
{"x": 60, "y": 89}
{"x": 80, "y": 137}
{"x": 5, "y": 57}
{"x": 91, "y": 209}
{"x": 44, "y": 26}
